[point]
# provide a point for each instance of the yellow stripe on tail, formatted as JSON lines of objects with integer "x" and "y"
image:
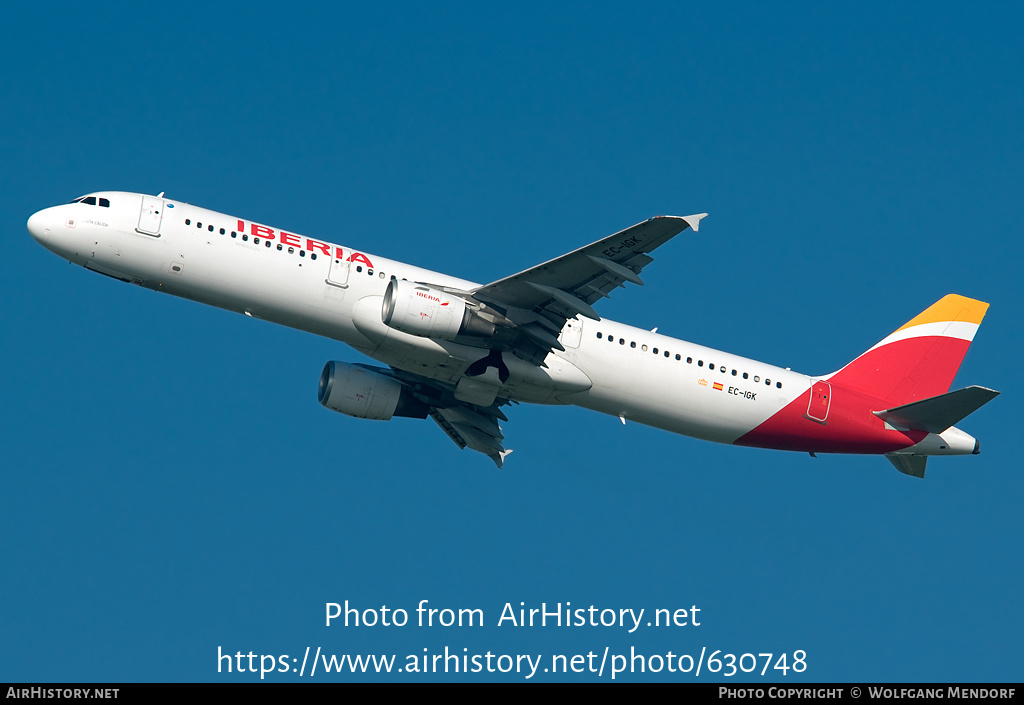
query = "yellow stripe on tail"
{"x": 951, "y": 307}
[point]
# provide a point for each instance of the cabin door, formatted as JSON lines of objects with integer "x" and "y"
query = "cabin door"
{"x": 821, "y": 400}
{"x": 151, "y": 215}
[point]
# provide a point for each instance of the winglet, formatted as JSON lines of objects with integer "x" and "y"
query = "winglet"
{"x": 499, "y": 457}
{"x": 694, "y": 220}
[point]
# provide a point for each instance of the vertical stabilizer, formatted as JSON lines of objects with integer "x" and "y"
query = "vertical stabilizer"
{"x": 921, "y": 358}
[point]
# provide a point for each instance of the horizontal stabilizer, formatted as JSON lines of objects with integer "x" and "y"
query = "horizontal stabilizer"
{"x": 909, "y": 464}
{"x": 936, "y": 414}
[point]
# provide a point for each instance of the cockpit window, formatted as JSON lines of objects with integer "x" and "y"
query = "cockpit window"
{"x": 91, "y": 201}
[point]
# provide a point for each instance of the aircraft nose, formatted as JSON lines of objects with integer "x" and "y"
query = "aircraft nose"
{"x": 39, "y": 225}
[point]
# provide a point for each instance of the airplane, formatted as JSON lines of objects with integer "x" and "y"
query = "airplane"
{"x": 460, "y": 352}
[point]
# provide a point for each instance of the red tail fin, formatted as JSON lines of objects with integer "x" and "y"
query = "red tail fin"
{"x": 920, "y": 359}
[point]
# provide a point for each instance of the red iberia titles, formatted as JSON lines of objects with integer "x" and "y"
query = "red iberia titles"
{"x": 306, "y": 243}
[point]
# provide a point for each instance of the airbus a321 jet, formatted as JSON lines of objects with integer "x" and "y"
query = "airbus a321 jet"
{"x": 459, "y": 352}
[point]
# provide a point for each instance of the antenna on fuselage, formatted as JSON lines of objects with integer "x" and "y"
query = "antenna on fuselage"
{"x": 160, "y": 195}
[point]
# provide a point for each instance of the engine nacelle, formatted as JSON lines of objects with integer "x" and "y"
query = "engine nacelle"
{"x": 365, "y": 393}
{"x": 424, "y": 311}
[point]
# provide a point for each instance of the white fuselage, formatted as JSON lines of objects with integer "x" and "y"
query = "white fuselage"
{"x": 337, "y": 292}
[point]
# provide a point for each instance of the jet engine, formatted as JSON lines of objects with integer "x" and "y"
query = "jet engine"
{"x": 366, "y": 393}
{"x": 421, "y": 310}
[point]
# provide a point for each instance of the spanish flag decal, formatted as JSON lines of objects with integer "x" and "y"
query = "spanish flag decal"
{"x": 718, "y": 386}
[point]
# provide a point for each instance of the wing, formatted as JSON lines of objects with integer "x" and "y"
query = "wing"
{"x": 538, "y": 301}
{"x": 475, "y": 427}
{"x": 467, "y": 424}
{"x": 526, "y": 312}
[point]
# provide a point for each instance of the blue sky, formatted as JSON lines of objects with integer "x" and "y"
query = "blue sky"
{"x": 171, "y": 486}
